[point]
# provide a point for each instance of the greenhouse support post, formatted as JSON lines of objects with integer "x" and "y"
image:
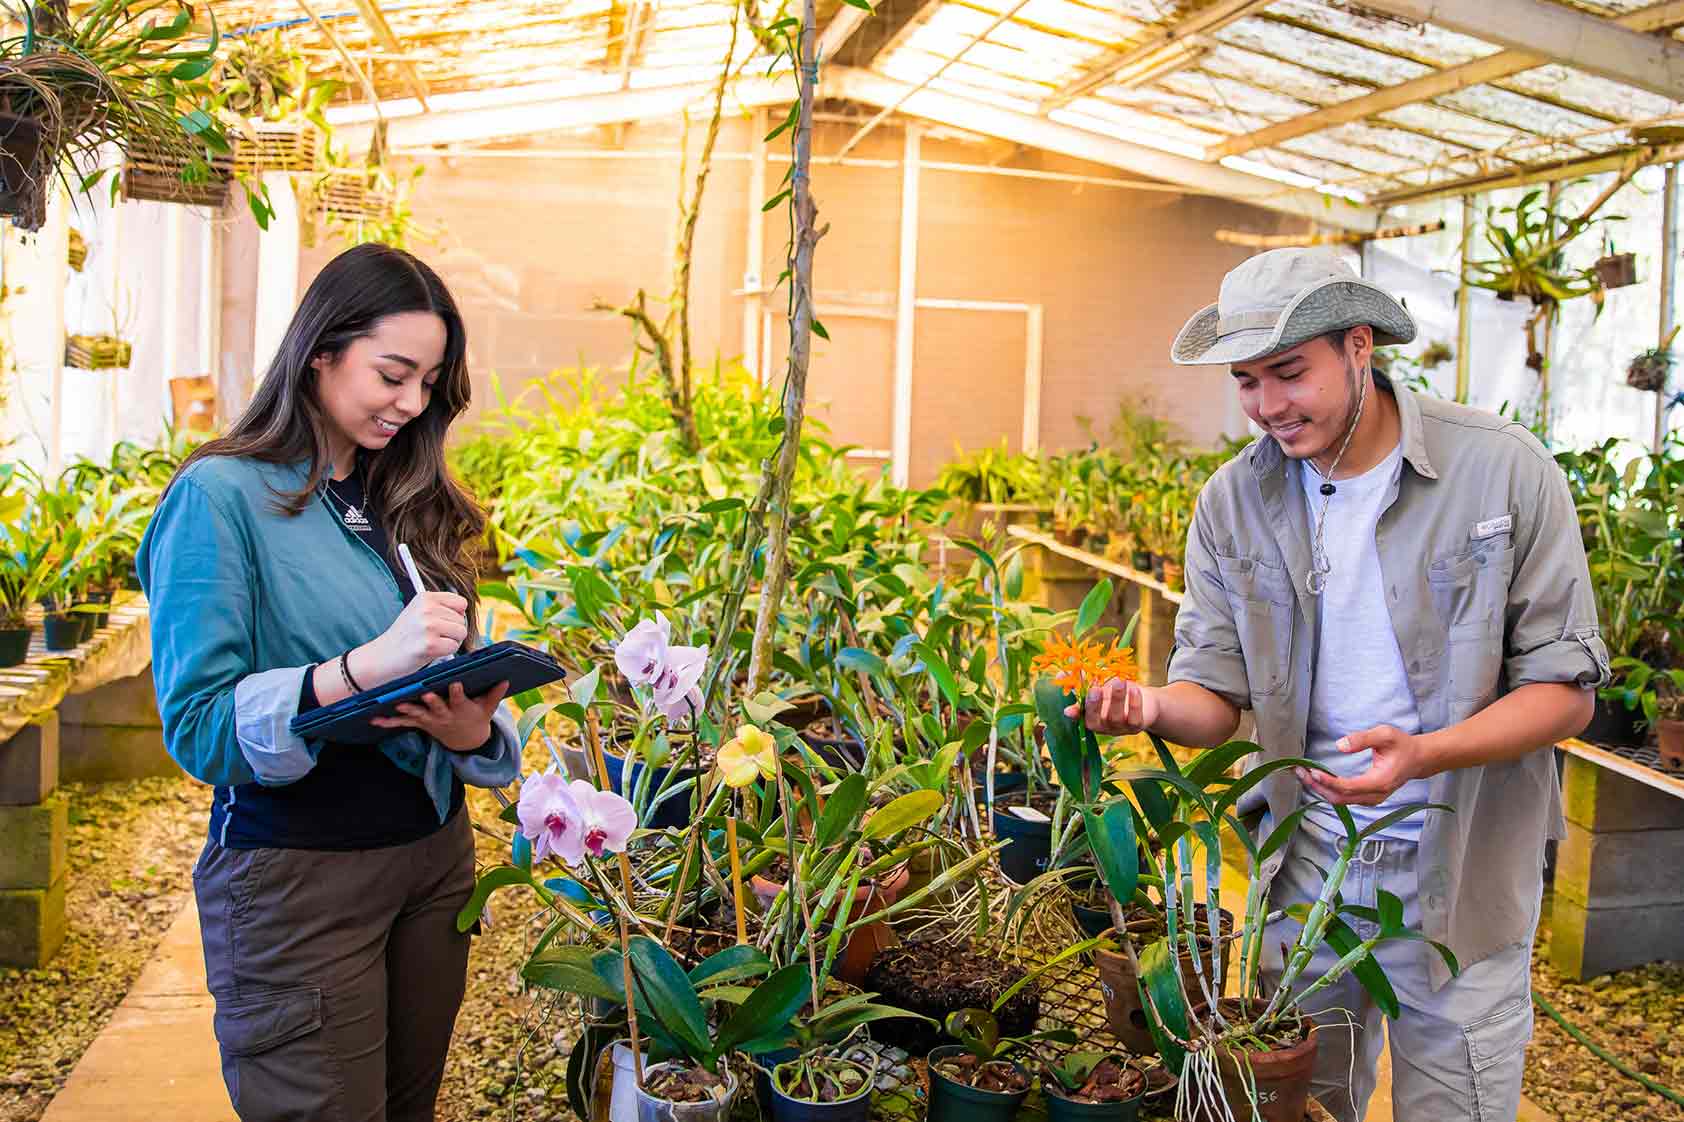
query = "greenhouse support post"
{"x": 755, "y": 361}
{"x": 1464, "y": 308}
{"x": 906, "y": 304}
{"x": 1669, "y": 280}
{"x": 1553, "y": 194}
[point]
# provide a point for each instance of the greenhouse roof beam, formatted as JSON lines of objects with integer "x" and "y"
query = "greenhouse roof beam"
{"x": 1553, "y": 172}
{"x": 1559, "y": 34}
{"x": 839, "y": 30}
{"x": 376, "y": 20}
{"x": 498, "y": 117}
{"x": 1210, "y": 19}
{"x": 971, "y": 115}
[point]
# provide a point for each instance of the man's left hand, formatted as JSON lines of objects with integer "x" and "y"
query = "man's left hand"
{"x": 461, "y": 724}
{"x": 1398, "y": 758}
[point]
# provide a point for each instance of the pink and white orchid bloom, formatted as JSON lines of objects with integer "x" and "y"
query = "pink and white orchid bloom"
{"x": 608, "y": 819}
{"x": 642, "y": 654}
{"x": 676, "y": 689}
{"x": 551, "y": 817}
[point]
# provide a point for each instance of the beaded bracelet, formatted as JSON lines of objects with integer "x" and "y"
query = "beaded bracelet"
{"x": 345, "y": 672}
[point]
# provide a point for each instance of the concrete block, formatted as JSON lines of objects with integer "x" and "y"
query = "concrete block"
{"x": 31, "y": 924}
{"x": 33, "y": 841}
{"x": 29, "y": 762}
{"x": 1585, "y": 942}
{"x": 1619, "y": 868}
{"x": 1597, "y": 798}
{"x": 128, "y": 701}
{"x": 107, "y": 753}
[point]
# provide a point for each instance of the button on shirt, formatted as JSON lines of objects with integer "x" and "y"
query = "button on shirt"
{"x": 1486, "y": 589}
{"x": 1360, "y": 680}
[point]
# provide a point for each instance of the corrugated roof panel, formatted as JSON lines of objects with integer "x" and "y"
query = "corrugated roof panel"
{"x": 1320, "y": 52}
{"x": 1243, "y": 97}
{"x": 1449, "y": 124}
{"x": 1319, "y": 171}
{"x": 1321, "y": 146}
{"x": 992, "y": 93}
{"x": 1417, "y": 148}
{"x": 1076, "y": 19}
{"x": 1436, "y": 44}
{"x": 1155, "y": 131}
{"x": 1281, "y": 78}
{"x": 1525, "y": 113}
{"x": 1612, "y": 99}
{"x": 1193, "y": 110}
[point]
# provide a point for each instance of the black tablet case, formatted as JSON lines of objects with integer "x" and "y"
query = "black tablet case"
{"x": 347, "y": 721}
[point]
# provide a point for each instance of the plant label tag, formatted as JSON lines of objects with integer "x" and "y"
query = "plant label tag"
{"x": 1491, "y": 527}
{"x": 1029, "y": 814}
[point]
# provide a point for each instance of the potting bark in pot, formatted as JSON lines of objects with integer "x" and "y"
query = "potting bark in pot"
{"x": 936, "y": 979}
{"x": 1093, "y": 1085}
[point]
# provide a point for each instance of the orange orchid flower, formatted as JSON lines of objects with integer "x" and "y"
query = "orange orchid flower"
{"x": 1079, "y": 666}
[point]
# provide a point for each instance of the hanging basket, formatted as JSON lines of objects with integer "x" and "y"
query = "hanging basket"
{"x": 284, "y": 146}
{"x": 1649, "y": 371}
{"x": 156, "y": 175}
{"x": 351, "y": 196}
{"x": 1617, "y": 270}
{"x": 97, "y": 352}
{"x": 26, "y": 164}
{"x": 77, "y": 254}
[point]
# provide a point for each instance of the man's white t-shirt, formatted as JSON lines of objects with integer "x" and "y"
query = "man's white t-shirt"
{"x": 1360, "y": 680}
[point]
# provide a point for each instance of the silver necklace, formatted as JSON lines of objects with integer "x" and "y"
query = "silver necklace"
{"x": 1316, "y": 579}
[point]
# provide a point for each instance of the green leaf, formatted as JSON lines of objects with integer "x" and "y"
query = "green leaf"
{"x": 1342, "y": 939}
{"x": 841, "y": 811}
{"x": 1160, "y": 995}
{"x": 1395, "y": 817}
{"x": 1013, "y": 579}
{"x": 501, "y": 877}
{"x": 764, "y": 707}
{"x": 571, "y": 969}
{"x": 862, "y": 5}
{"x": 1111, "y": 836}
{"x": 720, "y": 506}
{"x": 1282, "y": 833}
{"x": 773, "y": 1004}
{"x": 665, "y": 987}
{"x": 940, "y": 671}
{"x": 531, "y": 718}
{"x": 583, "y": 689}
{"x": 1064, "y": 740}
{"x": 1093, "y": 606}
{"x": 730, "y": 965}
{"x": 1390, "y": 909}
{"x": 819, "y": 330}
{"x": 853, "y": 658}
{"x": 902, "y": 814}
{"x": 1213, "y": 764}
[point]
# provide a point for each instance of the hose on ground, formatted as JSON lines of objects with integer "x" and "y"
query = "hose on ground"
{"x": 1606, "y": 1056}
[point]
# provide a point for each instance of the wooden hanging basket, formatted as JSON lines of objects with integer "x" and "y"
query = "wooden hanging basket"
{"x": 97, "y": 352}
{"x": 285, "y": 146}
{"x": 78, "y": 251}
{"x": 155, "y": 175}
{"x": 351, "y": 196}
{"x": 1618, "y": 270}
{"x": 26, "y": 165}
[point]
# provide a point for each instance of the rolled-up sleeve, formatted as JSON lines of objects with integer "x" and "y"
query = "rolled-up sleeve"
{"x": 496, "y": 763}
{"x": 1551, "y": 629}
{"x": 1207, "y": 643}
{"x": 223, "y": 724}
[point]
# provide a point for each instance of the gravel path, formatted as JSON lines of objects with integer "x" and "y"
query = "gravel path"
{"x": 132, "y": 848}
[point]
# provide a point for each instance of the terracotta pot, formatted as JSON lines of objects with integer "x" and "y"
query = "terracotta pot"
{"x": 1281, "y": 1078}
{"x": 1120, "y": 987}
{"x": 1174, "y": 575}
{"x": 854, "y": 957}
{"x": 1671, "y": 743}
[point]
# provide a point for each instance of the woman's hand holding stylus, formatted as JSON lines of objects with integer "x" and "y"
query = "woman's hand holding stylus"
{"x": 433, "y": 625}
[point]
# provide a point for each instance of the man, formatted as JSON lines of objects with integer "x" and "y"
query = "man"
{"x": 1395, "y": 586}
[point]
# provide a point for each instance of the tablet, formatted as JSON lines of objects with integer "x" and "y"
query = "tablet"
{"x": 347, "y": 721}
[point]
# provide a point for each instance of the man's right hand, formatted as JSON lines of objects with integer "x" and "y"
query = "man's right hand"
{"x": 1120, "y": 708}
{"x": 431, "y": 626}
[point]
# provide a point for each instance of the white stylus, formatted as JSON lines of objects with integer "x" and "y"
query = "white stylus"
{"x": 409, "y": 567}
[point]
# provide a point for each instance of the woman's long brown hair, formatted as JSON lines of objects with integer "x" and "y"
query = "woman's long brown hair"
{"x": 409, "y": 483}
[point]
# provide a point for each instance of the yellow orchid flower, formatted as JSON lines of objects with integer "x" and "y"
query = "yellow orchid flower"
{"x": 748, "y": 755}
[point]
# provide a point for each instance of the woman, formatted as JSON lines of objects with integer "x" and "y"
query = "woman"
{"x": 329, "y": 887}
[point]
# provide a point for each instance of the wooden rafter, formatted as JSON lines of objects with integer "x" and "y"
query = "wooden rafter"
{"x": 1492, "y": 68}
{"x": 1203, "y": 22}
{"x": 382, "y": 31}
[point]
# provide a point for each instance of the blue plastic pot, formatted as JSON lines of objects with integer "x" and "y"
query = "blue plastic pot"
{"x": 672, "y": 813}
{"x": 856, "y": 1109}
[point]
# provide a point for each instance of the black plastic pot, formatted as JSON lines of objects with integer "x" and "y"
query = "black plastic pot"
{"x": 1060, "y": 1109}
{"x": 955, "y": 1102}
{"x": 856, "y": 1109}
{"x": 14, "y": 645}
{"x": 1092, "y": 921}
{"x": 673, "y": 812}
{"x": 1029, "y": 848}
{"x": 1141, "y": 561}
{"x": 63, "y": 630}
{"x": 1613, "y": 723}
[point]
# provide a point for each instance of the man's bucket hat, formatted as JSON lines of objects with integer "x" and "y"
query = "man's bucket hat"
{"x": 1282, "y": 298}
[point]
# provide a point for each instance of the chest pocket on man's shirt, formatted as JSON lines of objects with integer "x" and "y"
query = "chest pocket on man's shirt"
{"x": 1470, "y": 591}
{"x": 1260, "y": 596}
